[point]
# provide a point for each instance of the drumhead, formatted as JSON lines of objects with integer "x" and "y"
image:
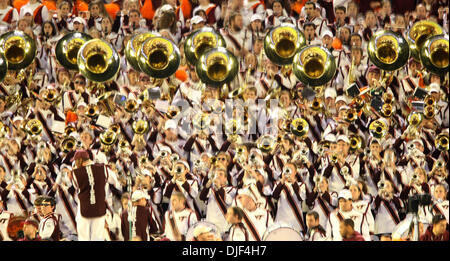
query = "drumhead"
{"x": 190, "y": 232}
{"x": 282, "y": 232}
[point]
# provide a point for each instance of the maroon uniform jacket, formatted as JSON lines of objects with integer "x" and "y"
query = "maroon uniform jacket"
{"x": 429, "y": 236}
{"x": 144, "y": 223}
{"x": 355, "y": 237}
{"x": 90, "y": 208}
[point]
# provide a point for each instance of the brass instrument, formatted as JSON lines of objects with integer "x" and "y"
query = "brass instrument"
{"x": 69, "y": 129}
{"x": 159, "y": 57}
{"x": 419, "y": 33}
{"x": 123, "y": 144}
{"x": 429, "y": 112}
{"x": 172, "y": 111}
{"x": 441, "y": 142}
{"x": 378, "y": 129}
{"x": 434, "y": 54}
{"x": 68, "y": 144}
{"x": 281, "y": 43}
{"x": 143, "y": 159}
{"x": 131, "y": 106}
{"x": 140, "y": 127}
{"x": 429, "y": 100}
{"x": 217, "y": 67}
{"x": 92, "y": 111}
{"x": 50, "y": 95}
{"x": 107, "y": 139}
{"x": 201, "y": 40}
{"x": 18, "y": 48}
{"x": 98, "y": 61}
{"x": 351, "y": 115}
{"x": 299, "y": 127}
{"x": 414, "y": 119}
{"x": 115, "y": 127}
{"x": 356, "y": 142}
{"x": 387, "y": 110}
{"x": 317, "y": 104}
{"x": 266, "y": 143}
{"x": 388, "y": 50}
{"x": 314, "y": 65}
{"x": 334, "y": 158}
{"x": 33, "y": 127}
{"x": 66, "y": 50}
{"x": 133, "y": 47}
{"x": 388, "y": 97}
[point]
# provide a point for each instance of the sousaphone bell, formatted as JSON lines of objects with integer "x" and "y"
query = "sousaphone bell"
{"x": 282, "y": 43}
{"x": 434, "y": 54}
{"x": 314, "y": 65}
{"x": 388, "y": 50}
{"x": 18, "y": 48}
{"x": 133, "y": 47}
{"x": 67, "y": 48}
{"x": 200, "y": 41}
{"x": 159, "y": 57}
{"x": 217, "y": 66}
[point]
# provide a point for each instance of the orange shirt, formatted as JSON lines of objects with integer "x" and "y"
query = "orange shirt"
{"x": 147, "y": 10}
{"x": 80, "y": 6}
{"x": 51, "y": 5}
{"x": 19, "y": 3}
{"x": 112, "y": 9}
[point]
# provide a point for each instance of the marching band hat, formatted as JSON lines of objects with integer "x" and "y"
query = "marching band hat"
{"x": 343, "y": 138}
{"x": 331, "y": 138}
{"x": 197, "y": 19}
{"x": 330, "y": 93}
{"x": 346, "y": 194}
{"x": 139, "y": 194}
{"x": 327, "y": 33}
{"x": 373, "y": 68}
{"x": 80, "y": 154}
{"x": 18, "y": 118}
{"x": 345, "y": 107}
{"x": 79, "y": 20}
{"x": 340, "y": 98}
{"x": 256, "y": 17}
{"x": 170, "y": 124}
{"x": 166, "y": 8}
{"x": 434, "y": 87}
{"x": 201, "y": 230}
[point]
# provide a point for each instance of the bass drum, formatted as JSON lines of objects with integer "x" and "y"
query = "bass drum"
{"x": 281, "y": 232}
{"x": 15, "y": 227}
{"x": 190, "y": 232}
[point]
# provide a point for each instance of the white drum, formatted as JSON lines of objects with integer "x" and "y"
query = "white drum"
{"x": 282, "y": 232}
{"x": 190, "y": 232}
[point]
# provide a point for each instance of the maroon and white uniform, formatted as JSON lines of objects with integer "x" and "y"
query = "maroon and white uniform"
{"x": 91, "y": 182}
{"x": 5, "y": 216}
{"x": 66, "y": 206}
{"x": 290, "y": 198}
{"x": 316, "y": 234}
{"x": 364, "y": 207}
{"x": 440, "y": 207}
{"x": 386, "y": 214}
{"x": 237, "y": 232}
{"x": 323, "y": 204}
{"x": 361, "y": 224}
{"x": 180, "y": 221}
{"x": 217, "y": 203}
{"x": 49, "y": 227}
{"x": 257, "y": 222}
{"x": 144, "y": 223}
{"x": 189, "y": 189}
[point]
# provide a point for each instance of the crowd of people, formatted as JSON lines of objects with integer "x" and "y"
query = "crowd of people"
{"x": 190, "y": 178}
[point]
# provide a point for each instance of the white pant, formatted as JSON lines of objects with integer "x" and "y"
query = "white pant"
{"x": 90, "y": 229}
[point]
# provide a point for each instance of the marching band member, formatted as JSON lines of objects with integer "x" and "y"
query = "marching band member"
{"x": 345, "y": 211}
{"x": 237, "y": 231}
{"x": 290, "y": 195}
{"x": 219, "y": 197}
{"x": 179, "y": 219}
{"x": 315, "y": 231}
{"x": 49, "y": 227}
{"x": 321, "y": 201}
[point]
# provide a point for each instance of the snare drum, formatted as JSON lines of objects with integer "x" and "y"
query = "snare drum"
{"x": 190, "y": 232}
{"x": 282, "y": 232}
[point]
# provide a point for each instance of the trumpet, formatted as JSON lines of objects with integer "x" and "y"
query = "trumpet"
{"x": 387, "y": 110}
{"x": 388, "y": 98}
{"x": 107, "y": 139}
{"x": 143, "y": 160}
{"x": 334, "y": 158}
{"x": 33, "y": 127}
{"x": 381, "y": 184}
{"x": 429, "y": 100}
{"x": 356, "y": 143}
{"x": 68, "y": 144}
{"x": 50, "y": 95}
{"x": 378, "y": 129}
{"x": 429, "y": 112}
{"x": 351, "y": 115}
{"x": 441, "y": 142}
{"x": 131, "y": 106}
{"x": 92, "y": 111}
